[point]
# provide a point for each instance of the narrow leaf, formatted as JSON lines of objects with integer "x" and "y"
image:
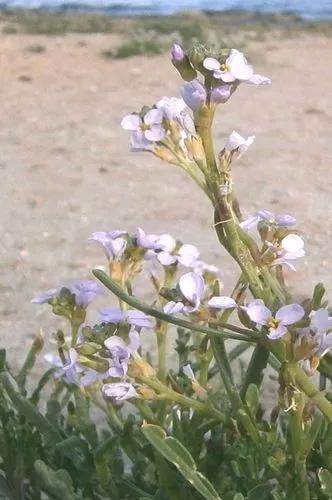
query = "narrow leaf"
{"x": 179, "y": 456}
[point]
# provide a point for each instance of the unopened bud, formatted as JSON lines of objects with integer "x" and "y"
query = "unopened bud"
{"x": 177, "y": 52}
{"x": 195, "y": 148}
{"x": 181, "y": 62}
{"x": 164, "y": 154}
{"x": 147, "y": 393}
{"x": 140, "y": 368}
{"x": 116, "y": 270}
{"x": 199, "y": 390}
{"x": 98, "y": 364}
{"x": 88, "y": 349}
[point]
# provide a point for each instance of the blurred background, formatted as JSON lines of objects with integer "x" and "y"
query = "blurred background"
{"x": 70, "y": 71}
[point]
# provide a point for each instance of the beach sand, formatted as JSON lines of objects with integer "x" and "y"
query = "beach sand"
{"x": 66, "y": 169}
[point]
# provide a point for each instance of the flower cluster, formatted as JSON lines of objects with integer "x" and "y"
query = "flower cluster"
{"x": 171, "y": 129}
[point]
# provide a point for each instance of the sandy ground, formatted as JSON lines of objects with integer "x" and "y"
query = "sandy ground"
{"x": 66, "y": 170}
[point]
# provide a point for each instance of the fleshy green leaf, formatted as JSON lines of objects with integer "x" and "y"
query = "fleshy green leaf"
{"x": 58, "y": 484}
{"x": 252, "y": 399}
{"x": 325, "y": 478}
{"x": 179, "y": 456}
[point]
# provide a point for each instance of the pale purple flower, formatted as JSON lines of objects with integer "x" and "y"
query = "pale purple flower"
{"x": 85, "y": 291}
{"x": 120, "y": 391}
{"x": 91, "y": 376}
{"x": 68, "y": 371}
{"x": 202, "y": 267}
{"x": 164, "y": 250}
{"x": 166, "y": 258}
{"x": 277, "y": 326}
{"x": 172, "y": 107}
{"x": 291, "y": 248}
{"x": 121, "y": 352}
{"x": 192, "y": 287}
{"x": 146, "y": 241}
{"x": 194, "y": 94}
{"x": 222, "y": 302}
{"x": 145, "y": 130}
{"x": 238, "y": 144}
{"x": 177, "y": 53}
{"x": 173, "y": 307}
{"x": 188, "y": 255}
{"x": 281, "y": 220}
{"x": 112, "y": 242}
{"x": 236, "y": 67}
{"x": 221, "y": 94}
{"x": 132, "y": 317}
{"x": 72, "y": 372}
{"x": 320, "y": 324}
{"x": 44, "y": 297}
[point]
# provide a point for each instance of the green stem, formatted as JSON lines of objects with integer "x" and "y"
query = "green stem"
{"x": 256, "y": 367}
{"x": 161, "y": 334}
{"x": 241, "y": 333}
{"x": 167, "y": 393}
{"x": 296, "y": 445}
{"x": 303, "y": 383}
{"x": 238, "y": 407}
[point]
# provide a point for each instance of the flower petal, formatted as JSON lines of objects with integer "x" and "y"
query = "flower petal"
{"x": 188, "y": 255}
{"x": 166, "y": 259}
{"x": 320, "y": 321}
{"x": 112, "y": 315}
{"x": 193, "y": 94}
{"x": 222, "y": 302}
{"x": 139, "y": 142}
{"x": 285, "y": 220}
{"x": 221, "y": 94}
{"x": 292, "y": 243}
{"x": 250, "y": 222}
{"x": 290, "y": 314}
{"x": 259, "y": 80}
{"x": 238, "y": 65}
{"x": 131, "y": 122}
{"x": 115, "y": 342}
{"x": 277, "y": 333}
{"x": 258, "y": 312}
{"x": 139, "y": 318}
{"x": 173, "y": 307}
{"x": 154, "y": 117}
{"x": 192, "y": 287}
{"x": 211, "y": 63}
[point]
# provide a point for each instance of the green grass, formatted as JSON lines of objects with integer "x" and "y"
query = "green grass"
{"x": 135, "y": 48}
{"x": 153, "y": 35}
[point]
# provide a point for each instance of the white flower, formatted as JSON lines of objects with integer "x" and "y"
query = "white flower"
{"x": 238, "y": 144}
{"x": 236, "y": 67}
{"x": 291, "y": 248}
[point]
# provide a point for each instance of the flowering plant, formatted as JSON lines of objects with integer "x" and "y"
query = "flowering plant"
{"x": 193, "y": 425}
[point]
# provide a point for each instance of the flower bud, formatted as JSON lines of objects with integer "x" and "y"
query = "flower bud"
{"x": 199, "y": 390}
{"x": 147, "y": 393}
{"x": 140, "y": 368}
{"x": 164, "y": 154}
{"x": 221, "y": 94}
{"x": 194, "y": 94}
{"x": 195, "y": 148}
{"x": 181, "y": 62}
{"x": 98, "y": 364}
{"x": 177, "y": 52}
{"x": 88, "y": 348}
